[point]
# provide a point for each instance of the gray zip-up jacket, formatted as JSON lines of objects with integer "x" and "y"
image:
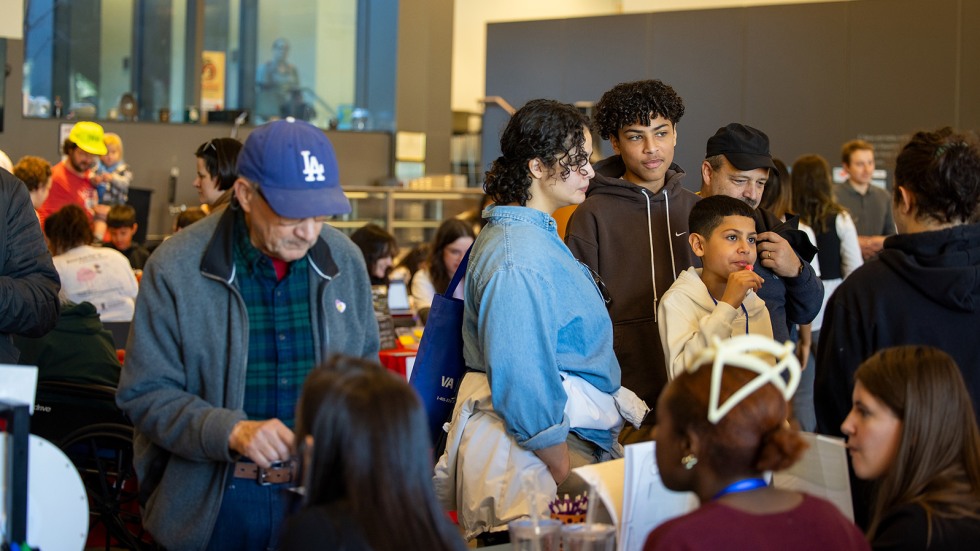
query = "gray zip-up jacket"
{"x": 183, "y": 382}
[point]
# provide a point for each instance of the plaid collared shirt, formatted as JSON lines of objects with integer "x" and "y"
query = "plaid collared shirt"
{"x": 280, "y": 340}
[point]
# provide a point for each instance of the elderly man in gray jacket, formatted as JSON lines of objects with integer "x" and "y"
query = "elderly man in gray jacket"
{"x": 232, "y": 314}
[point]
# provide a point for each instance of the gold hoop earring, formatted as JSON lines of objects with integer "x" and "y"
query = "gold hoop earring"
{"x": 689, "y": 461}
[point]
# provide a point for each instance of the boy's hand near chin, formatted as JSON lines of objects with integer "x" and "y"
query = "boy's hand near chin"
{"x": 740, "y": 283}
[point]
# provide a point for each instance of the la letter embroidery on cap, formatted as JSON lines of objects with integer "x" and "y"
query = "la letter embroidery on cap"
{"x": 312, "y": 168}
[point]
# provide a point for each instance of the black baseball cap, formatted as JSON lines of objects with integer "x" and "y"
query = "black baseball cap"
{"x": 746, "y": 148}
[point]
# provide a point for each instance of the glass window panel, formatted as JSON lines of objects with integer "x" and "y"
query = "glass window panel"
{"x": 171, "y": 60}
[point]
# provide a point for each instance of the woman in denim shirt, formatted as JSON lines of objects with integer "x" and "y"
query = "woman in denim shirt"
{"x": 543, "y": 396}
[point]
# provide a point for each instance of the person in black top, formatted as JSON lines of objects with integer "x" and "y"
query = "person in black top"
{"x": 923, "y": 288}
{"x": 28, "y": 278}
{"x": 364, "y": 442}
{"x": 912, "y": 430}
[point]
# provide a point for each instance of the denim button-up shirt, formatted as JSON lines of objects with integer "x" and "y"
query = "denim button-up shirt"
{"x": 531, "y": 312}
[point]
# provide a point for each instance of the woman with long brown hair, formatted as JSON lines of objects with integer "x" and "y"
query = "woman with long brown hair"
{"x": 364, "y": 441}
{"x": 452, "y": 240}
{"x": 838, "y": 254}
{"x": 913, "y": 431}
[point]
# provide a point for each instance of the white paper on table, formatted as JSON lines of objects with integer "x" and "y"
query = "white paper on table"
{"x": 607, "y": 479}
{"x": 822, "y": 472}
{"x": 636, "y": 499}
{"x": 18, "y": 383}
{"x": 647, "y": 503}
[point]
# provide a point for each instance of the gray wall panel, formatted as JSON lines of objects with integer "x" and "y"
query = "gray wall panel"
{"x": 700, "y": 54}
{"x": 625, "y": 53}
{"x": 424, "y": 82}
{"x": 810, "y": 75}
{"x": 969, "y": 53}
{"x": 796, "y": 69}
{"x": 535, "y": 54}
{"x": 901, "y": 65}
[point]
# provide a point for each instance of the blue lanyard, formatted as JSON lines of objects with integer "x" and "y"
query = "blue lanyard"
{"x": 744, "y": 311}
{"x": 744, "y": 485}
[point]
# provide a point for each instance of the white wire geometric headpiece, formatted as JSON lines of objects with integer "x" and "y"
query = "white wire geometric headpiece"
{"x": 742, "y": 351}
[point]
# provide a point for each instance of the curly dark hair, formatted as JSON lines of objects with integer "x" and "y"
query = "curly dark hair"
{"x": 942, "y": 170}
{"x": 632, "y": 102}
{"x": 543, "y": 129}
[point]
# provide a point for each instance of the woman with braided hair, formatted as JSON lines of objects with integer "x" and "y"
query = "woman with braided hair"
{"x": 721, "y": 424}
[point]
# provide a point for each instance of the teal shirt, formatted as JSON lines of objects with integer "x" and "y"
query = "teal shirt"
{"x": 280, "y": 337}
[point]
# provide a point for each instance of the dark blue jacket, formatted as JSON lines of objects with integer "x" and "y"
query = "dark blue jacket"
{"x": 29, "y": 284}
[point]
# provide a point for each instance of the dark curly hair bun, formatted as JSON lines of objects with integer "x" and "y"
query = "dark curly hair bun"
{"x": 548, "y": 130}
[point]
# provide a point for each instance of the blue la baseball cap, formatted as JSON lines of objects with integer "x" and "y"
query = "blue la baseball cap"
{"x": 295, "y": 166}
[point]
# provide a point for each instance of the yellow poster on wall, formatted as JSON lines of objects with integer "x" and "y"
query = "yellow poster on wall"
{"x": 212, "y": 80}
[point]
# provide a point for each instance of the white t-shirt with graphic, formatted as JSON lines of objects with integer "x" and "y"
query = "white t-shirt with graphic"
{"x": 99, "y": 275}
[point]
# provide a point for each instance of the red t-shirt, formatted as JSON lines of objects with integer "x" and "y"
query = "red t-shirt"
{"x": 68, "y": 188}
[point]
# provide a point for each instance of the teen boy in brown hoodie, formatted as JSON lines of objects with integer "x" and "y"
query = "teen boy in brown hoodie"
{"x": 632, "y": 228}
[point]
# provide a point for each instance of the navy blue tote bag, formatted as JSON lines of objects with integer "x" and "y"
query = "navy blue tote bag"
{"x": 439, "y": 365}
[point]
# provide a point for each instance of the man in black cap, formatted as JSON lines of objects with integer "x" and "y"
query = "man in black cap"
{"x": 737, "y": 164}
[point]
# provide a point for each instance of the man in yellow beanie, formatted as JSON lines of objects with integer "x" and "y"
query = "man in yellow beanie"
{"x": 70, "y": 183}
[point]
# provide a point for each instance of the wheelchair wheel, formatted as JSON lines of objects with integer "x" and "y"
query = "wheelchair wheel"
{"x": 103, "y": 455}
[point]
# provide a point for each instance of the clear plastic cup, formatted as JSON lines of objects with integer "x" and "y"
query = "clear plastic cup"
{"x": 589, "y": 537}
{"x": 523, "y": 535}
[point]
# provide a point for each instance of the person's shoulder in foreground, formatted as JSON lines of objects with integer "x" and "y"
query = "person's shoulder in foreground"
{"x": 906, "y": 528}
{"x": 716, "y": 526}
{"x": 30, "y": 303}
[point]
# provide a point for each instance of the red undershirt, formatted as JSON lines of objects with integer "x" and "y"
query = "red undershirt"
{"x": 281, "y": 267}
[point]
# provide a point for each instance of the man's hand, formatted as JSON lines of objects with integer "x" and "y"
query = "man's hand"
{"x": 739, "y": 283}
{"x": 557, "y": 460}
{"x": 776, "y": 254}
{"x": 871, "y": 245}
{"x": 264, "y": 442}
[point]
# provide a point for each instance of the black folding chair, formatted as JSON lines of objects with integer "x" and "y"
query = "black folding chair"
{"x": 83, "y": 420}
